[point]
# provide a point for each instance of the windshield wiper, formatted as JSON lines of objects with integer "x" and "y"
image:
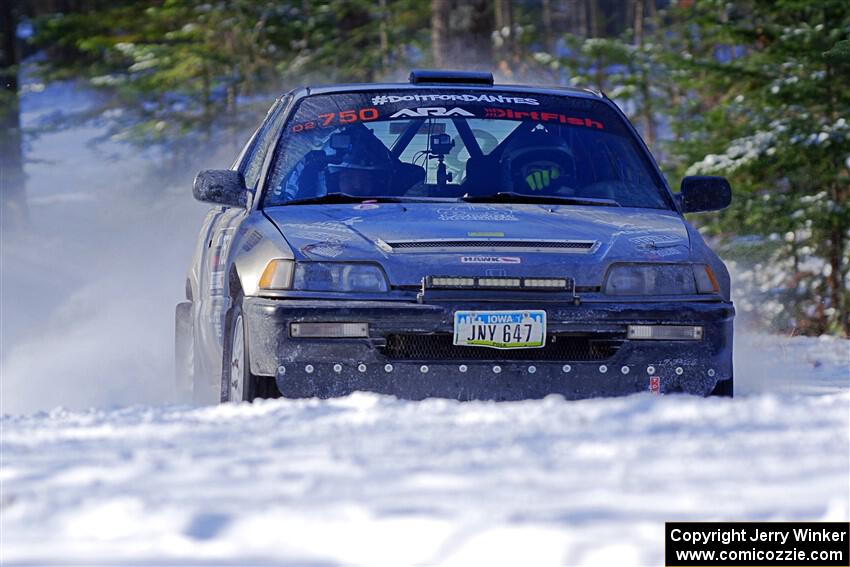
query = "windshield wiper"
{"x": 341, "y": 198}
{"x": 512, "y": 197}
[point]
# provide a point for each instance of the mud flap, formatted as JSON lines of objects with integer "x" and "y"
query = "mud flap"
{"x": 183, "y": 352}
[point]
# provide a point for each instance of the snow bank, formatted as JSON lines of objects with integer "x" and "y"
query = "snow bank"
{"x": 373, "y": 480}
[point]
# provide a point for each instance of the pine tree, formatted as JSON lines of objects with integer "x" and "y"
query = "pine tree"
{"x": 178, "y": 71}
{"x": 769, "y": 108}
{"x": 13, "y": 204}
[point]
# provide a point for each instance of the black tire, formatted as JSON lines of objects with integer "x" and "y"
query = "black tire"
{"x": 724, "y": 389}
{"x": 236, "y": 378}
{"x": 184, "y": 361}
{"x": 267, "y": 387}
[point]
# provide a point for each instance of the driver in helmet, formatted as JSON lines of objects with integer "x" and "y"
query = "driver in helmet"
{"x": 538, "y": 161}
{"x": 352, "y": 160}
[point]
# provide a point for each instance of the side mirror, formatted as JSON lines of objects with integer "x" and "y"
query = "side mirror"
{"x": 221, "y": 187}
{"x": 704, "y": 193}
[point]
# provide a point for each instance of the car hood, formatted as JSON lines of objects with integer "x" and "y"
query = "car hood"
{"x": 412, "y": 240}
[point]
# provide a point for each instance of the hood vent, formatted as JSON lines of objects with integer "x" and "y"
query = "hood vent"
{"x": 526, "y": 245}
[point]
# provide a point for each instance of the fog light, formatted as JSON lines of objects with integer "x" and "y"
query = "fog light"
{"x": 666, "y": 332}
{"x": 329, "y": 330}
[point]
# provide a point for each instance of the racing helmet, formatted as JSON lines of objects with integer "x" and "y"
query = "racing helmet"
{"x": 537, "y": 160}
{"x": 358, "y": 162}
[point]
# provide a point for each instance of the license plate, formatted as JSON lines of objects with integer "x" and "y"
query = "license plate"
{"x": 500, "y": 329}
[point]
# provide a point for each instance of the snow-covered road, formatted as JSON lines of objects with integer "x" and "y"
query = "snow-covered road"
{"x": 373, "y": 480}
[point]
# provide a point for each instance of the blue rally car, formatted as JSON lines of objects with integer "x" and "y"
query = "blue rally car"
{"x": 454, "y": 238}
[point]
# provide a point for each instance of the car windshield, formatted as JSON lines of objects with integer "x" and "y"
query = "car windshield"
{"x": 460, "y": 144}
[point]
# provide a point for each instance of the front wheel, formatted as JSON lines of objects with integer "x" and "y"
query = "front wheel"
{"x": 237, "y": 382}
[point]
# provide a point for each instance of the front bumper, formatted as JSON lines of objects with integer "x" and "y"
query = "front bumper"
{"x": 334, "y": 367}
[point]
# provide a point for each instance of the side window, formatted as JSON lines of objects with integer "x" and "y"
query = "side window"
{"x": 253, "y": 163}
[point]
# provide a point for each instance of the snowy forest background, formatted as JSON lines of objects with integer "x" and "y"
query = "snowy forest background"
{"x": 756, "y": 90}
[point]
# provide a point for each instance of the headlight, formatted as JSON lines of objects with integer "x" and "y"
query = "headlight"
{"x": 333, "y": 276}
{"x": 323, "y": 276}
{"x": 660, "y": 279}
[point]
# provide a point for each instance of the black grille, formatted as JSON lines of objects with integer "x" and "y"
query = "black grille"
{"x": 566, "y": 244}
{"x": 558, "y": 348}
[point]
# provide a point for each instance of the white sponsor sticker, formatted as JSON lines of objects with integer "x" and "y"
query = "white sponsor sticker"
{"x": 378, "y": 100}
{"x": 656, "y": 240}
{"x": 465, "y": 214}
{"x": 664, "y": 252}
{"x": 490, "y": 260}
{"x": 326, "y": 249}
{"x": 328, "y": 231}
{"x": 430, "y": 111}
{"x": 322, "y": 236}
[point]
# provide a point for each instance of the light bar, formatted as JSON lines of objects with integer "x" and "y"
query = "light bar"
{"x": 499, "y": 282}
{"x": 666, "y": 332}
{"x": 515, "y": 283}
{"x": 329, "y": 330}
{"x": 441, "y": 281}
{"x": 548, "y": 283}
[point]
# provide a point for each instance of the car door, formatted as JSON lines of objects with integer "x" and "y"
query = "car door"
{"x": 220, "y": 230}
